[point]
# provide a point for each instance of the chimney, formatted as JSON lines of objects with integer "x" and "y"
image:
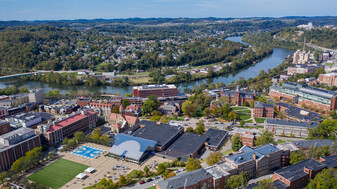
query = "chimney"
{"x": 254, "y": 156}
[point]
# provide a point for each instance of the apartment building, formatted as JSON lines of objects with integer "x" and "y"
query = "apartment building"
{"x": 4, "y": 127}
{"x": 329, "y": 79}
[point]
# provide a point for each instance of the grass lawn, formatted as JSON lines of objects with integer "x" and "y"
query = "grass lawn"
{"x": 242, "y": 111}
{"x": 249, "y": 121}
{"x": 244, "y": 116}
{"x": 58, "y": 173}
{"x": 239, "y": 108}
{"x": 141, "y": 80}
{"x": 260, "y": 120}
{"x": 152, "y": 187}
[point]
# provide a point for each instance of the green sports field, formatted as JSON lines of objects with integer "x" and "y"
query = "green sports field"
{"x": 58, "y": 173}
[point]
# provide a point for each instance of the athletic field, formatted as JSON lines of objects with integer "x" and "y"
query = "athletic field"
{"x": 58, "y": 173}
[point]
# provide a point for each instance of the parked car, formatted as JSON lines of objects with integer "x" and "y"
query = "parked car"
{"x": 149, "y": 180}
{"x": 156, "y": 177}
{"x": 177, "y": 171}
{"x": 183, "y": 169}
{"x": 142, "y": 182}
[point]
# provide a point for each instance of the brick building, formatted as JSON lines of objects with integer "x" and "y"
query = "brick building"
{"x": 263, "y": 109}
{"x": 289, "y": 127}
{"x": 103, "y": 108}
{"x": 247, "y": 136}
{"x": 302, "y": 68}
{"x": 55, "y": 132}
{"x": 329, "y": 79}
{"x": 3, "y": 112}
{"x": 83, "y": 101}
{"x": 298, "y": 175}
{"x": 15, "y": 144}
{"x": 121, "y": 122}
{"x": 238, "y": 96}
{"x": 256, "y": 162}
{"x": 303, "y": 94}
{"x": 297, "y": 113}
{"x": 157, "y": 90}
{"x": 196, "y": 179}
{"x": 4, "y": 127}
{"x": 135, "y": 100}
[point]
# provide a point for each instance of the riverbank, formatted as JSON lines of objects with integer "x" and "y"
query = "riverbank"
{"x": 271, "y": 61}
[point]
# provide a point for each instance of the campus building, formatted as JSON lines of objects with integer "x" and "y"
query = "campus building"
{"x": 303, "y": 94}
{"x": 36, "y": 96}
{"x": 164, "y": 134}
{"x": 157, "y": 90}
{"x": 15, "y": 144}
{"x": 298, "y": 175}
{"x": 132, "y": 148}
{"x": 55, "y": 132}
{"x": 297, "y": 113}
{"x": 121, "y": 122}
{"x": 256, "y": 162}
{"x": 238, "y": 96}
{"x": 302, "y": 68}
{"x": 263, "y": 109}
{"x": 196, "y": 179}
{"x": 4, "y": 127}
{"x": 329, "y": 79}
{"x": 248, "y": 136}
{"x": 3, "y": 112}
{"x": 288, "y": 127}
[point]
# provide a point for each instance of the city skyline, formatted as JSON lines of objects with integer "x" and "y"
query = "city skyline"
{"x": 89, "y": 9}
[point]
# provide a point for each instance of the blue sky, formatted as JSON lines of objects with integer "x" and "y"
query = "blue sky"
{"x": 90, "y": 9}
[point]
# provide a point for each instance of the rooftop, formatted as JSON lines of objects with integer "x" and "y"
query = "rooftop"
{"x": 15, "y": 137}
{"x": 185, "y": 145}
{"x": 315, "y": 143}
{"x": 215, "y": 137}
{"x": 259, "y": 104}
{"x": 291, "y": 123}
{"x": 299, "y": 113}
{"x": 295, "y": 171}
{"x": 151, "y": 87}
{"x": 130, "y": 146}
{"x": 185, "y": 179}
{"x": 247, "y": 153}
{"x": 162, "y": 133}
{"x": 330, "y": 161}
{"x": 69, "y": 121}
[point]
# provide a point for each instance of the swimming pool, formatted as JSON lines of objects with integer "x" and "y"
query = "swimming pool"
{"x": 87, "y": 152}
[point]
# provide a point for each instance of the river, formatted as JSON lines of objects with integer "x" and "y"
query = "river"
{"x": 271, "y": 61}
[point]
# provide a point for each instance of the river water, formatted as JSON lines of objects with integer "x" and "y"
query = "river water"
{"x": 271, "y": 61}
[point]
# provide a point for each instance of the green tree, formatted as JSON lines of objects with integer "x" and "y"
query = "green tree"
{"x": 213, "y": 158}
{"x": 192, "y": 164}
{"x": 236, "y": 143}
{"x": 115, "y": 110}
{"x": 265, "y": 184}
{"x": 237, "y": 181}
{"x": 149, "y": 106}
{"x": 232, "y": 116}
{"x": 34, "y": 155}
{"x": 146, "y": 170}
{"x": 200, "y": 129}
{"x": 188, "y": 108}
{"x": 161, "y": 168}
{"x": 79, "y": 136}
{"x": 296, "y": 157}
{"x": 325, "y": 179}
{"x": 242, "y": 123}
{"x": 265, "y": 138}
{"x": 122, "y": 181}
{"x": 190, "y": 130}
{"x": 125, "y": 103}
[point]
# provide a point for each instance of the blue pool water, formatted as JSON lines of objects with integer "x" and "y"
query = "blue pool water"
{"x": 87, "y": 152}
